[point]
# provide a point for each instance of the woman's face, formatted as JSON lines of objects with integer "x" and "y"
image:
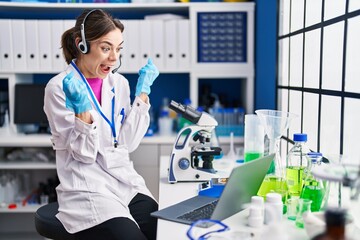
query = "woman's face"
{"x": 103, "y": 56}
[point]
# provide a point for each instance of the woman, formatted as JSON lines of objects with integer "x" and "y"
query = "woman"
{"x": 94, "y": 127}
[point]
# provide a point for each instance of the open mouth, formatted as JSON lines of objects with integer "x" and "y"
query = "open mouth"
{"x": 105, "y": 68}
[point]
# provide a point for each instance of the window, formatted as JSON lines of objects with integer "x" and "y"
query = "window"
{"x": 319, "y": 71}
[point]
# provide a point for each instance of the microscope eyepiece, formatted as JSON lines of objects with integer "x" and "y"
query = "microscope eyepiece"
{"x": 187, "y": 112}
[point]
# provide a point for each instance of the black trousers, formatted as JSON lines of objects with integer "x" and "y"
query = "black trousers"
{"x": 122, "y": 228}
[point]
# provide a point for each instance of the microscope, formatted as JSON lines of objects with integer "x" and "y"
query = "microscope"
{"x": 193, "y": 163}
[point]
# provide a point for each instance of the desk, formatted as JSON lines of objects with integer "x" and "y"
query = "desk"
{"x": 170, "y": 194}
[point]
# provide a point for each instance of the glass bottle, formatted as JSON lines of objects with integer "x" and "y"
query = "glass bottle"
{"x": 296, "y": 162}
{"x": 335, "y": 219}
{"x": 313, "y": 188}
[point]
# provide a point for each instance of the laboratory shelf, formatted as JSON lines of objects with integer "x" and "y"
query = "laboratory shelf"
{"x": 26, "y": 140}
{"x": 43, "y": 140}
{"x": 30, "y": 208}
{"x": 27, "y": 165}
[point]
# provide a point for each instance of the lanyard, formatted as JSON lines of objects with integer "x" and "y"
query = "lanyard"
{"x": 112, "y": 123}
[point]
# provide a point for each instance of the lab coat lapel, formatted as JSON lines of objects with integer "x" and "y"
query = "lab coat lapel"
{"x": 107, "y": 94}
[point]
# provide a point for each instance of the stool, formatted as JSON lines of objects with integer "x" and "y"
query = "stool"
{"x": 48, "y": 226}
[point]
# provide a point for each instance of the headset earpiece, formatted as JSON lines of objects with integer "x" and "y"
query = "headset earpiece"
{"x": 83, "y": 45}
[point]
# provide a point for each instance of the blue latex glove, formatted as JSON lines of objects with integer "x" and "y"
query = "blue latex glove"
{"x": 147, "y": 76}
{"x": 76, "y": 94}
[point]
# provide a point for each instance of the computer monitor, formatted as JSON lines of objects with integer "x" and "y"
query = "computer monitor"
{"x": 29, "y": 102}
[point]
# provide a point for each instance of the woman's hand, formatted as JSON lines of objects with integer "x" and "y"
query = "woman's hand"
{"x": 76, "y": 94}
{"x": 147, "y": 76}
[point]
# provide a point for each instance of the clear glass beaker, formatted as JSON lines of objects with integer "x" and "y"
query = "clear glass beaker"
{"x": 275, "y": 124}
{"x": 303, "y": 206}
{"x": 253, "y": 138}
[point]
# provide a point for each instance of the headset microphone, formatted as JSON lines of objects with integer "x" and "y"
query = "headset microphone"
{"x": 116, "y": 69}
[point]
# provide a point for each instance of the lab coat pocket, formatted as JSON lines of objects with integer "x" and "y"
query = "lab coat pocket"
{"x": 116, "y": 157}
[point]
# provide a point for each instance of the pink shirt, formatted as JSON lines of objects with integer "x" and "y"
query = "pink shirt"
{"x": 96, "y": 84}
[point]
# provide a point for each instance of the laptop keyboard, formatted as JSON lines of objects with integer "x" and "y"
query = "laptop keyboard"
{"x": 203, "y": 212}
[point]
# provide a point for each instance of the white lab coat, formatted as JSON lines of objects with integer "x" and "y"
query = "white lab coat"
{"x": 97, "y": 181}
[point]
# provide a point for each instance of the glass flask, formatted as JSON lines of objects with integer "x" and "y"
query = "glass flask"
{"x": 296, "y": 162}
{"x": 275, "y": 124}
{"x": 314, "y": 188}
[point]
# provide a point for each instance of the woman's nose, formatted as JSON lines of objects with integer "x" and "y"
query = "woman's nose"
{"x": 113, "y": 55}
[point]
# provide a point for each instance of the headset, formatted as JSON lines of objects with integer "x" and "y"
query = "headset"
{"x": 84, "y": 46}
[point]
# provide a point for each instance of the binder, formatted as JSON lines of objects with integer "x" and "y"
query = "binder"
{"x": 171, "y": 43}
{"x": 6, "y": 54}
{"x": 18, "y": 37}
{"x": 123, "y": 51}
{"x": 132, "y": 43}
{"x": 68, "y": 23}
{"x": 184, "y": 43}
{"x": 44, "y": 27}
{"x": 145, "y": 41}
{"x": 157, "y": 40}
{"x": 57, "y": 29}
{"x": 32, "y": 45}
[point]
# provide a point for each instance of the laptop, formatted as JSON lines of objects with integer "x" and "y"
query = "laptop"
{"x": 243, "y": 183}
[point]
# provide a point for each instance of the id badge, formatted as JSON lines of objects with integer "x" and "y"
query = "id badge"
{"x": 116, "y": 157}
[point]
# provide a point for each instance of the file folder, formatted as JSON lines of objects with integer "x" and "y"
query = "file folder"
{"x": 45, "y": 45}
{"x": 32, "y": 45}
{"x": 123, "y": 51}
{"x": 184, "y": 43}
{"x": 68, "y": 23}
{"x": 145, "y": 41}
{"x": 57, "y": 29}
{"x": 171, "y": 43}
{"x": 18, "y": 38}
{"x": 6, "y": 54}
{"x": 132, "y": 44}
{"x": 157, "y": 40}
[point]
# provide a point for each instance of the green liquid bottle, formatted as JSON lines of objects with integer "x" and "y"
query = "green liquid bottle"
{"x": 316, "y": 194}
{"x": 249, "y": 156}
{"x": 314, "y": 189}
{"x": 294, "y": 179}
{"x": 296, "y": 162}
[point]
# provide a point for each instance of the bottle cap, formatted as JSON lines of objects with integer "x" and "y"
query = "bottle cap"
{"x": 257, "y": 201}
{"x": 335, "y": 216}
{"x": 300, "y": 137}
{"x": 314, "y": 156}
{"x": 273, "y": 198}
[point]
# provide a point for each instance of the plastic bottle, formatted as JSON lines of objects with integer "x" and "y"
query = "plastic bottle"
{"x": 335, "y": 225}
{"x": 165, "y": 123}
{"x": 5, "y": 129}
{"x": 273, "y": 208}
{"x": 313, "y": 188}
{"x": 296, "y": 162}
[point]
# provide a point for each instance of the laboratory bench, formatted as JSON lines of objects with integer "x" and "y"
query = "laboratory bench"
{"x": 170, "y": 194}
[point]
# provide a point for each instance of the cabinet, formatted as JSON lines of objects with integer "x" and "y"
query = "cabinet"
{"x": 201, "y": 58}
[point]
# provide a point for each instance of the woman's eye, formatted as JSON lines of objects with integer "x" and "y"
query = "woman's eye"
{"x": 106, "y": 49}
